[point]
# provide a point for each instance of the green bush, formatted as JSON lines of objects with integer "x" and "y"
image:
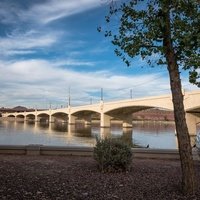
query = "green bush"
{"x": 112, "y": 155}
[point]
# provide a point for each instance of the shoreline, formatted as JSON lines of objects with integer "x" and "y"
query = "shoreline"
{"x": 42, "y": 150}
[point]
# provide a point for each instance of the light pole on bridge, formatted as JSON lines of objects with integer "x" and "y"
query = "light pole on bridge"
{"x": 101, "y": 94}
{"x": 69, "y": 98}
{"x": 131, "y": 93}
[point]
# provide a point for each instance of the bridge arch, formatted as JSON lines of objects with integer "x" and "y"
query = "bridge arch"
{"x": 126, "y": 109}
{"x": 30, "y": 117}
{"x": 135, "y": 107}
{"x": 11, "y": 116}
{"x": 22, "y": 116}
{"x": 43, "y": 117}
{"x": 124, "y": 113}
{"x": 59, "y": 116}
{"x": 86, "y": 114}
{"x": 193, "y": 109}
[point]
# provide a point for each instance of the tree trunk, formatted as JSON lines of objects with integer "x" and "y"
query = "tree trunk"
{"x": 184, "y": 144}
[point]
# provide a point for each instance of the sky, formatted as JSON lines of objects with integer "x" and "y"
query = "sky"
{"x": 51, "y": 48}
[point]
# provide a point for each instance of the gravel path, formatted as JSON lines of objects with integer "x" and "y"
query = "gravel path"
{"x": 57, "y": 177}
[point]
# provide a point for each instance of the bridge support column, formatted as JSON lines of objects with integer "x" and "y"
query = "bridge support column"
{"x": 36, "y": 118}
{"x": 71, "y": 129}
{"x": 105, "y": 133}
{"x": 105, "y": 121}
{"x": 25, "y": 116}
{"x": 191, "y": 121}
{"x": 51, "y": 119}
{"x": 127, "y": 124}
{"x": 127, "y": 121}
{"x": 72, "y": 119}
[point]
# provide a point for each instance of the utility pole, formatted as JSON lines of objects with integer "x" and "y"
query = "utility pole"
{"x": 131, "y": 93}
{"x": 69, "y": 97}
{"x": 101, "y": 94}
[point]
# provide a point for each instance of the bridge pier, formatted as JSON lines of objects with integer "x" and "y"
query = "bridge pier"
{"x": 105, "y": 120}
{"x": 105, "y": 133}
{"x": 127, "y": 121}
{"x": 192, "y": 120}
{"x": 71, "y": 129}
{"x": 25, "y": 118}
{"x": 127, "y": 124}
{"x": 37, "y": 118}
{"x": 51, "y": 119}
{"x": 72, "y": 119}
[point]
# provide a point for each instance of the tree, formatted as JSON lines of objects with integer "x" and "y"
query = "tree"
{"x": 171, "y": 31}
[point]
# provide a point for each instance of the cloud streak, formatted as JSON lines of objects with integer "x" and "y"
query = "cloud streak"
{"x": 44, "y": 12}
{"x": 27, "y": 42}
{"x": 55, "y": 9}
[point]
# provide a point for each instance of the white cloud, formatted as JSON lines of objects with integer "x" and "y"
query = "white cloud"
{"x": 24, "y": 40}
{"x": 10, "y": 52}
{"x": 45, "y": 11}
{"x": 74, "y": 62}
{"x": 53, "y": 10}
{"x": 25, "y": 43}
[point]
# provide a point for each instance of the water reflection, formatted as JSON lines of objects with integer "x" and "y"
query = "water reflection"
{"x": 154, "y": 134}
{"x": 59, "y": 127}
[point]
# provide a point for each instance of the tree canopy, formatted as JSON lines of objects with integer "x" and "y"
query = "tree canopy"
{"x": 141, "y": 32}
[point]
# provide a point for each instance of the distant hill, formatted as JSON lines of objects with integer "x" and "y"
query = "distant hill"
{"x": 15, "y": 109}
{"x": 154, "y": 114}
{"x": 20, "y": 108}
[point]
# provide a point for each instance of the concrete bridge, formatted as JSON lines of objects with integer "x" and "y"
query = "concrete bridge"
{"x": 120, "y": 110}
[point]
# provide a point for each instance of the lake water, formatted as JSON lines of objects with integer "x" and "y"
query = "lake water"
{"x": 155, "y": 134}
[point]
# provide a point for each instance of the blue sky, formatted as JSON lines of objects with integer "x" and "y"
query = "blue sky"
{"x": 50, "y": 46}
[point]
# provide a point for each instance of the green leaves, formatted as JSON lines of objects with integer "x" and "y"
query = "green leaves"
{"x": 193, "y": 77}
{"x": 141, "y": 28}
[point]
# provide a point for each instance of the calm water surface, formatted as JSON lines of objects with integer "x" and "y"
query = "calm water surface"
{"x": 155, "y": 134}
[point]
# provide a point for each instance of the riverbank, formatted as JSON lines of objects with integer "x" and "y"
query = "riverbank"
{"x": 43, "y": 150}
{"x": 73, "y": 177}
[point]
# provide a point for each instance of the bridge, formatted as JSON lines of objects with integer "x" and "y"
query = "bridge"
{"x": 116, "y": 110}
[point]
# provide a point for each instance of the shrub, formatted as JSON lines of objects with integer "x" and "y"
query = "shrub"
{"x": 112, "y": 155}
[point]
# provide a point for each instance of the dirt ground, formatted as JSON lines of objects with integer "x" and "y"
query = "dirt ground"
{"x": 73, "y": 177}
